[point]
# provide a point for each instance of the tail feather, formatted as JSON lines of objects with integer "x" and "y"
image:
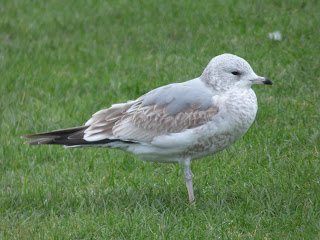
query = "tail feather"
{"x": 68, "y": 137}
{"x": 56, "y": 133}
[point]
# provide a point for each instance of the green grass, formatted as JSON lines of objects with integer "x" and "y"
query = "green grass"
{"x": 60, "y": 61}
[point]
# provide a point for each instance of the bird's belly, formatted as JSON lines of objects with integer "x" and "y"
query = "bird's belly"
{"x": 206, "y": 146}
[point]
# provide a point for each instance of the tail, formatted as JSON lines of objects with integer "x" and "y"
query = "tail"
{"x": 68, "y": 137}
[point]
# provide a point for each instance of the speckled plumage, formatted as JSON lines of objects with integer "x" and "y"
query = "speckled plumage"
{"x": 179, "y": 122}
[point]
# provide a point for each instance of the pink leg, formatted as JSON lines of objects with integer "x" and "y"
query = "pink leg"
{"x": 188, "y": 177}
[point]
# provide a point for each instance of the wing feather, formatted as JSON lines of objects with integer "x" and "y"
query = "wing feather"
{"x": 153, "y": 115}
{"x": 144, "y": 125}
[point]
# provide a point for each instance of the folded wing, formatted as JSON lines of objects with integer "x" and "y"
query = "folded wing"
{"x": 165, "y": 110}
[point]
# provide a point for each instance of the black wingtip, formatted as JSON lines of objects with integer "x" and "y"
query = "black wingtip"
{"x": 68, "y": 137}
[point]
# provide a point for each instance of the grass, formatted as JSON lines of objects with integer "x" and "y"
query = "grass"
{"x": 62, "y": 61}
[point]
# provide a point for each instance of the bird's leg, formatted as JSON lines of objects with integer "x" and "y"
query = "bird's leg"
{"x": 188, "y": 177}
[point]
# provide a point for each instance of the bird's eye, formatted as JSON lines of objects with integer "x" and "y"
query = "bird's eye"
{"x": 235, "y": 73}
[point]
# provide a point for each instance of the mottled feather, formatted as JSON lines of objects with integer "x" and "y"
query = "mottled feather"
{"x": 185, "y": 106}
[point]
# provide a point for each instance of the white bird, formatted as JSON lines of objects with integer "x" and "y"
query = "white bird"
{"x": 179, "y": 122}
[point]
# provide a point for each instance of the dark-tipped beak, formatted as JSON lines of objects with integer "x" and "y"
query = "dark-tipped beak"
{"x": 267, "y": 81}
{"x": 262, "y": 80}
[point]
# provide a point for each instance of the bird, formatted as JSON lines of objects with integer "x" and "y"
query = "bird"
{"x": 175, "y": 123}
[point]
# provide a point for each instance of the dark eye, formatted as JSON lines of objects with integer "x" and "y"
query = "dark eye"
{"x": 235, "y": 73}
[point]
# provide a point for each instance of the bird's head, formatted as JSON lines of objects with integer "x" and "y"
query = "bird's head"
{"x": 228, "y": 71}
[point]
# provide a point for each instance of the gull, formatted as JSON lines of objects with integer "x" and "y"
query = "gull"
{"x": 176, "y": 123}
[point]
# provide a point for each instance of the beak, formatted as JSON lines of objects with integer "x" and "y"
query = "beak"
{"x": 261, "y": 80}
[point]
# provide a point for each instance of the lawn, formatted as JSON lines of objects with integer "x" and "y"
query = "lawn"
{"x": 61, "y": 61}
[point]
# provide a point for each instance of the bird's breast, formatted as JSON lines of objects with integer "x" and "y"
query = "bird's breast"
{"x": 241, "y": 108}
{"x": 237, "y": 112}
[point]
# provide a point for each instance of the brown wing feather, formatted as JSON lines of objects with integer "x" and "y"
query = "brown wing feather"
{"x": 151, "y": 121}
{"x": 101, "y": 124}
{"x": 132, "y": 121}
